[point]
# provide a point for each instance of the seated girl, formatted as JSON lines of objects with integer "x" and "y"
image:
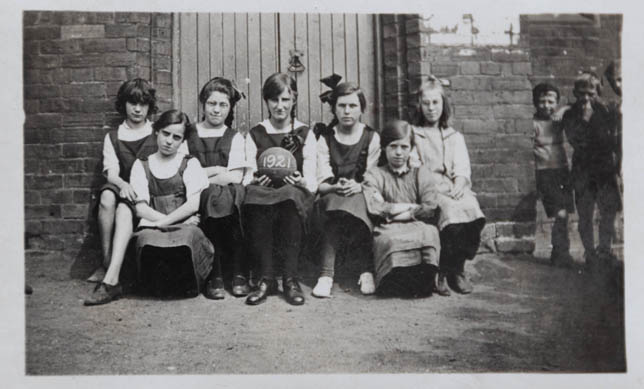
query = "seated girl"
{"x": 136, "y": 102}
{"x": 443, "y": 151}
{"x": 276, "y": 217}
{"x": 168, "y": 185}
{"x": 228, "y": 163}
{"x": 402, "y": 201}
{"x": 346, "y": 149}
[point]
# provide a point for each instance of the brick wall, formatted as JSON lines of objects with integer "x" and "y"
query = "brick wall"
{"x": 561, "y": 45}
{"x": 74, "y": 63}
{"x": 490, "y": 90}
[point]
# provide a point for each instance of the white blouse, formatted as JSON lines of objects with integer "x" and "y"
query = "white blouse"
{"x": 242, "y": 152}
{"x": 309, "y": 152}
{"x": 126, "y": 134}
{"x": 194, "y": 177}
{"x": 325, "y": 171}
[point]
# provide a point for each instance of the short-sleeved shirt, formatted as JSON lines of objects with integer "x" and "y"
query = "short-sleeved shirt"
{"x": 309, "y": 152}
{"x": 127, "y": 134}
{"x": 241, "y": 154}
{"x": 324, "y": 169}
{"x": 194, "y": 177}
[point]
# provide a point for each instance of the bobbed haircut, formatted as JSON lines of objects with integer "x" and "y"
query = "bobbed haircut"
{"x": 136, "y": 91}
{"x": 392, "y": 131}
{"x": 170, "y": 117}
{"x": 588, "y": 79}
{"x": 225, "y": 86}
{"x": 346, "y": 89}
{"x": 541, "y": 89}
{"x": 276, "y": 84}
{"x": 432, "y": 83}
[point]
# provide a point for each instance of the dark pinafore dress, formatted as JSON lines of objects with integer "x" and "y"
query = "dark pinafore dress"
{"x": 166, "y": 195}
{"x": 217, "y": 201}
{"x": 347, "y": 161}
{"x": 301, "y": 198}
{"x": 127, "y": 152}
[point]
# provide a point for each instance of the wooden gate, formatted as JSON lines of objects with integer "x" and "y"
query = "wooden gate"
{"x": 248, "y": 47}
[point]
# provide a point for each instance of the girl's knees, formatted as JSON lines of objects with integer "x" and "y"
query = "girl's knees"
{"x": 108, "y": 199}
{"x": 122, "y": 210}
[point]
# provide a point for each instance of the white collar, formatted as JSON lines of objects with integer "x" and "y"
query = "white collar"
{"x": 204, "y": 132}
{"x": 272, "y": 130}
{"x": 423, "y": 132}
{"x": 357, "y": 135}
{"x": 401, "y": 171}
{"x": 126, "y": 126}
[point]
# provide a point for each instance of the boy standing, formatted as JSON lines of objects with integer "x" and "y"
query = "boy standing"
{"x": 552, "y": 176}
{"x": 591, "y": 128}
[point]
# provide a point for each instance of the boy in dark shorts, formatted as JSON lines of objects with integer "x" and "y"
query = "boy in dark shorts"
{"x": 553, "y": 178}
{"x": 592, "y": 129}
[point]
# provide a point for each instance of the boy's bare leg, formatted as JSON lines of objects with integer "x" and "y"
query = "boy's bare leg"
{"x": 585, "y": 210}
{"x": 608, "y": 203}
{"x": 560, "y": 240}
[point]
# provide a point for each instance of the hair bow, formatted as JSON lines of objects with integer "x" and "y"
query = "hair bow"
{"x": 331, "y": 81}
{"x": 292, "y": 142}
{"x": 238, "y": 93}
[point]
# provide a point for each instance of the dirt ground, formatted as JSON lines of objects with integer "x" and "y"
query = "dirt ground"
{"x": 524, "y": 316}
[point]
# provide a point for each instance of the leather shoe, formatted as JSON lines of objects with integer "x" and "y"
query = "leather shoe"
{"x": 440, "y": 284}
{"x": 103, "y": 294}
{"x": 240, "y": 286}
{"x": 460, "y": 283}
{"x": 215, "y": 289}
{"x": 292, "y": 291}
{"x": 264, "y": 288}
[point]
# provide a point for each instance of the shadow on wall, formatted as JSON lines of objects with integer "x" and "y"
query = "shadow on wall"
{"x": 89, "y": 255}
{"x": 526, "y": 209}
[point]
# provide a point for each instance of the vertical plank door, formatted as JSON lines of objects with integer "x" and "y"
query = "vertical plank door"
{"x": 247, "y": 48}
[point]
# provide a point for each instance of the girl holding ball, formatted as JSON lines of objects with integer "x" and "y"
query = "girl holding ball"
{"x": 275, "y": 209}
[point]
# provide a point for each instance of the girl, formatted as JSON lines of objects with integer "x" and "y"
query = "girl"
{"x": 402, "y": 200}
{"x": 443, "y": 151}
{"x": 167, "y": 186}
{"x": 135, "y": 101}
{"x": 277, "y": 217}
{"x": 347, "y": 149}
{"x": 224, "y": 154}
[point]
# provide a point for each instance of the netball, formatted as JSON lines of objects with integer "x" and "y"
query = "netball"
{"x": 276, "y": 163}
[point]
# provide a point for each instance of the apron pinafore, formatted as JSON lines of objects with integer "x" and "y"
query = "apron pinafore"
{"x": 166, "y": 195}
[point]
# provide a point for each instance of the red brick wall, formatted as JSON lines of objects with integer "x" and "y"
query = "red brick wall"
{"x": 74, "y": 63}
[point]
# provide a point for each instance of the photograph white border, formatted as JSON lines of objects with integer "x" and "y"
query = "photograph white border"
{"x": 12, "y": 329}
